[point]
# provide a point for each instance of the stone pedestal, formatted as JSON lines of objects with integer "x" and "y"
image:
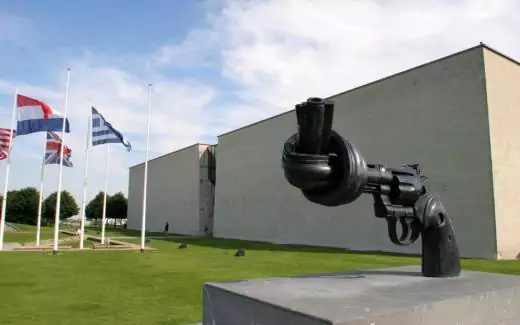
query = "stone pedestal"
{"x": 368, "y": 297}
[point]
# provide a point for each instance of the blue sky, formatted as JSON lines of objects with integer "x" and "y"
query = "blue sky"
{"x": 39, "y": 40}
{"x": 43, "y": 29}
{"x": 214, "y": 65}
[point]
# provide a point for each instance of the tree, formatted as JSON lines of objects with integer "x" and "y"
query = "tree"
{"x": 14, "y": 208}
{"x": 117, "y": 206}
{"x": 68, "y": 206}
{"x": 22, "y": 205}
{"x": 94, "y": 209}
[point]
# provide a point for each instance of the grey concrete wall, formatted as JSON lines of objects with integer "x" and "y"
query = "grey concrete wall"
{"x": 434, "y": 115}
{"x": 173, "y": 193}
{"x": 503, "y": 94}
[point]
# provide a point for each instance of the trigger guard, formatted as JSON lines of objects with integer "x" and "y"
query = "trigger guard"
{"x": 411, "y": 231}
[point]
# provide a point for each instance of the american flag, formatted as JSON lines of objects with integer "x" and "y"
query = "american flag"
{"x": 53, "y": 148}
{"x": 5, "y": 134}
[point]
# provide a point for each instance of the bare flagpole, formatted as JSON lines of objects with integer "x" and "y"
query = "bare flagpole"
{"x": 84, "y": 202}
{"x": 145, "y": 186}
{"x": 40, "y": 202}
{"x": 6, "y": 181}
{"x": 58, "y": 196}
{"x": 103, "y": 218}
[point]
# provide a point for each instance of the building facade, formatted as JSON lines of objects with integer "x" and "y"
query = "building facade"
{"x": 457, "y": 117}
{"x": 180, "y": 191}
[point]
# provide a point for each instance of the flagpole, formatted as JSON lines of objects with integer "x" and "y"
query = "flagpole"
{"x": 84, "y": 202}
{"x": 145, "y": 185}
{"x": 58, "y": 196}
{"x": 40, "y": 202}
{"x": 6, "y": 181}
{"x": 103, "y": 219}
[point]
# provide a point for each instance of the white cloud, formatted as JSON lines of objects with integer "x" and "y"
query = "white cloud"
{"x": 273, "y": 53}
{"x": 196, "y": 50}
{"x": 178, "y": 119}
{"x": 281, "y": 52}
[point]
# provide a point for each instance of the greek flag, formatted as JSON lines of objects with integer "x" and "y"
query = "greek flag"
{"x": 103, "y": 132}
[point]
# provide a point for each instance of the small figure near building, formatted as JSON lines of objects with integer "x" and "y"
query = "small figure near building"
{"x": 166, "y": 228}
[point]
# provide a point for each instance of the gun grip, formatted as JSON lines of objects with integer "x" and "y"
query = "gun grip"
{"x": 440, "y": 252}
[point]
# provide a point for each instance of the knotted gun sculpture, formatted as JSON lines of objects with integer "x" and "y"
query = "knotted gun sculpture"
{"x": 330, "y": 171}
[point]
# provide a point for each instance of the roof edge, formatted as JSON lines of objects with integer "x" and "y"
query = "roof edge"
{"x": 487, "y": 47}
{"x": 173, "y": 152}
{"x": 480, "y": 45}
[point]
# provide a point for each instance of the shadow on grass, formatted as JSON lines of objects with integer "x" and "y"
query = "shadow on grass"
{"x": 233, "y": 244}
{"x": 510, "y": 267}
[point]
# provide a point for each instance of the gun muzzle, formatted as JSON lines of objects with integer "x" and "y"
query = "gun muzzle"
{"x": 327, "y": 168}
{"x": 314, "y": 125}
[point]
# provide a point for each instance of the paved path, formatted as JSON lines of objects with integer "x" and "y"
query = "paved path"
{"x": 147, "y": 237}
{"x": 8, "y": 228}
{"x": 11, "y": 246}
{"x": 113, "y": 241}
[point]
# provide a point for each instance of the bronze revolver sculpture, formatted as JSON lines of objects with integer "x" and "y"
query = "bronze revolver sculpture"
{"x": 330, "y": 171}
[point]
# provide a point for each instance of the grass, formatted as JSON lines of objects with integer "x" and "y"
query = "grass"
{"x": 165, "y": 286}
{"x": 27, "y": 233}
{"x": 22, "y": 238}
{"x": 25, "y": 237}
{"x": 24, "y": 228}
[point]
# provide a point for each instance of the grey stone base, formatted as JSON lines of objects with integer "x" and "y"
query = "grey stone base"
{"x": 369, "y": 297}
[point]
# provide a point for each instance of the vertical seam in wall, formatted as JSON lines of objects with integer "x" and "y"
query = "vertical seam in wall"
{"x": 199, "y": 187}
{"x": 486, "y": 103}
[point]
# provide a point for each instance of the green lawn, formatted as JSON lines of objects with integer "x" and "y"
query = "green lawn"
{"x": 160, "y": 287}
{"x": 26, "y": 237}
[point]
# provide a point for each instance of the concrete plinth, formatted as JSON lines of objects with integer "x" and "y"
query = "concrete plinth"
{"x": 372, "y": 297}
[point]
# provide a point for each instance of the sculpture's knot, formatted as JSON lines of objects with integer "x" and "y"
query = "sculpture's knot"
{"x": 304, "y": 171}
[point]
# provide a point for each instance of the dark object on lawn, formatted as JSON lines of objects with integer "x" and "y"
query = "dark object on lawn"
{"x": 330, "y": 171}
{"x": 240, "y": 252}
{"x": 147, "y": 241}
{"x": 183, "y": 245}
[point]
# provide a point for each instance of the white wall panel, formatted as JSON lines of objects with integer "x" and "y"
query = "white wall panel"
{"x": 173, "y": 193}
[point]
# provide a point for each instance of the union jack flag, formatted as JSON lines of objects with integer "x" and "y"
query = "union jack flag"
{"x": 53, "y": 148}
{"x": 5, "y": 135}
